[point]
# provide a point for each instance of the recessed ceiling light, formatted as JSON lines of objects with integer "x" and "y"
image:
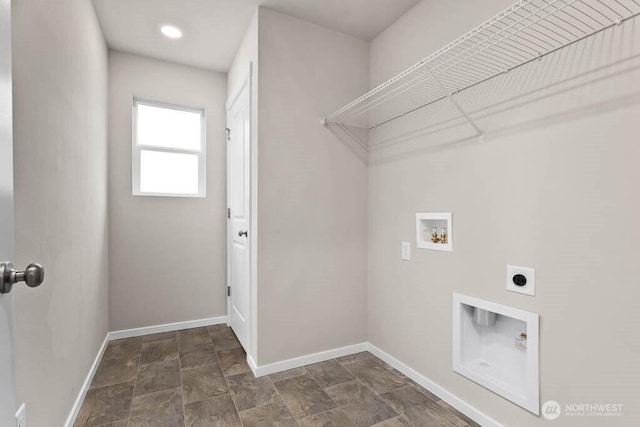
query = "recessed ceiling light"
{"x": 171, "y": 31}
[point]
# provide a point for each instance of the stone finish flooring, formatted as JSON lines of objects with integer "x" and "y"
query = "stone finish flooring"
{"x": 199, "y": 377}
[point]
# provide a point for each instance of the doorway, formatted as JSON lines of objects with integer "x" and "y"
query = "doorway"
{"x": 239, "y": 211}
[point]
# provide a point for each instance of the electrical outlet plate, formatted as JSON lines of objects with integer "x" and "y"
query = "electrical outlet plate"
{"x": 21, "y": 420}
{"x": 529, "y": 273}
{"x": 406, "y": 251}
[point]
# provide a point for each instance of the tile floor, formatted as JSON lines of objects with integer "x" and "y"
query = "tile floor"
{"x": 199, "y": 377}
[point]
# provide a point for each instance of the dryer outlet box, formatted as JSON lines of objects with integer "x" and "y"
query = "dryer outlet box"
{"x": 521, "y": 280}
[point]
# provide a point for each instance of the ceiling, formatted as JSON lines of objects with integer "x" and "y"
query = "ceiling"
{"x": 214, "y": 28}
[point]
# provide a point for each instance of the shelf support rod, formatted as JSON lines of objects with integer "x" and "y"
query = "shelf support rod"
{"x": 455, "y": 104}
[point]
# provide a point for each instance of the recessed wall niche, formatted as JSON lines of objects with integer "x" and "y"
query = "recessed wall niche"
{"x": 496, "y": 346}
{"x": 434, "y": 231}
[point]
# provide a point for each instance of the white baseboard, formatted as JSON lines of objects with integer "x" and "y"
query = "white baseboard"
{"x": 434, "y": 388}
{"x": 252, "y": 364}
{"x": 75, "y": 409}
{"x": 128, "y": 333}
{"x": 168, "y": 327}
{"x": 284, "y": 365}
{"x": 308, "y": 359}
{"x": 453, "y": 400}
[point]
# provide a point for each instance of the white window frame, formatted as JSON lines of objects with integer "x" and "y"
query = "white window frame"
{"x": 136, "y": 149}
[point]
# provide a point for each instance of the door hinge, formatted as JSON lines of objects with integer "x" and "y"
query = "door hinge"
{"x": 228, "y": 291}
{"x": 228, "y": 212}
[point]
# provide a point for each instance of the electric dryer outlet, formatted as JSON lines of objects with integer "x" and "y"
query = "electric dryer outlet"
{"x": 521, "y": 280}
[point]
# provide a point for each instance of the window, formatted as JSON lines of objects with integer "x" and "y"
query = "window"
{"x": 168, "y": 150}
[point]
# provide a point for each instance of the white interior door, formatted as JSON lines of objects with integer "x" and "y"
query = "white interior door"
{"x": 239, "y": 214}
{"x": 7, "y": 398}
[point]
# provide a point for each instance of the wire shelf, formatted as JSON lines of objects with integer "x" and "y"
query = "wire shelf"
{"x": 520, "y": 34}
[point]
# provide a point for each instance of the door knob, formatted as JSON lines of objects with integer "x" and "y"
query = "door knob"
{"x": 244, "y": 233}
{"x": 33, "y": 276}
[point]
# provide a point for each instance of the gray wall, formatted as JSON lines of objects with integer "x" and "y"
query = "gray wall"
{"x": 60, "y": 158}
{"x": 312, "y": 192}
{"x": 167, "y": 254}
{"x": 551, "y": 188}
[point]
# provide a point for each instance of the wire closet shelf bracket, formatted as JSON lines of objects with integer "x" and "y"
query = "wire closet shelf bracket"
{"x": 520, "y": 34}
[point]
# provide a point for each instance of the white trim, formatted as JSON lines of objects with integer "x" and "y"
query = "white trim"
{"x": 252, "y": 364}
{"x": 453, "y": 400}
{"x": 86, "y": 384}
{"x": 128, "y": 333}
{"x": 137, "y": 148}
{"x": 168, "y": 327}
{"x": 237, "y": 91}
{"x": 284, "y": 365}
{"x": 434, "y": 388}
{"x": 308, "y": 359}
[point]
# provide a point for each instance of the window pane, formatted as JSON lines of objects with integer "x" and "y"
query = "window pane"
{"x": 162, "y": 172}
{"x": 167, "y": 127}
